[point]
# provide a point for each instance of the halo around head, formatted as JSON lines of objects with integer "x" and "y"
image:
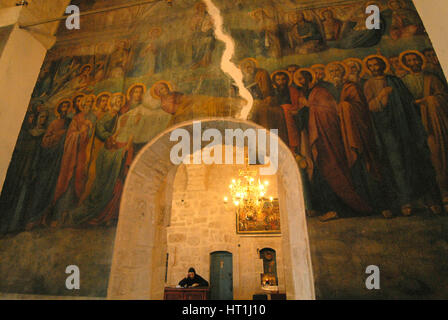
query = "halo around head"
{"x": 86, "y": 66}
{"x": 156, "y": 30}
{"x": 321, "y": 13}
{"x": 260, "y": 10}
{"x": 418, "y": 53}
{"x": 253, "y": 61}
{"x": 309, "y": 70}
{"x": 288, "y": 74}
{"x": 318, "y": 66}
{"x": 78, "y": 94}
{"x": 104, "y": 93}
{"x": 359, "y": 62}
{"x": 401, "y": 2}
{"x": 338, "y": 63}
{"x": 383, "y": 58}
{"x": 155, "y": 88}
{"x": 56, "y": 112}
{"x": 128, "y": 93}
{"x": 118, "y": 94}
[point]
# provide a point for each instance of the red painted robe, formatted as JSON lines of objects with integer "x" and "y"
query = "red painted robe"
{"x": 327, "y": 148}
{"x": 74, "y": 159}
{"x": 290, "y": 110}
{"x": 356, "y": 128}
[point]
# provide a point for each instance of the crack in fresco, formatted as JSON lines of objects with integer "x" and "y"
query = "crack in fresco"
{"x": 226, "y": 64}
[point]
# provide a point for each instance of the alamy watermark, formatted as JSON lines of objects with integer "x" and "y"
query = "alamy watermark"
{"x": 190, "y": 149}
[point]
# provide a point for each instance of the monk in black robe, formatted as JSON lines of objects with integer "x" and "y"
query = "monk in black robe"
{"x": 193, "y": 280}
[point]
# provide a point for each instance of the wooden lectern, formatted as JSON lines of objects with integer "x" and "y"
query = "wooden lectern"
{"x": 186, "y": 294}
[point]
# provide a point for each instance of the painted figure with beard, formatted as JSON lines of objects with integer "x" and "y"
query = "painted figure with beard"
{"x": 73, "y": 173}
{"x": 108, "y": 167}
{"x": 401, "y": 139}
{"x": 256, "y": 79}
{"x": 203, "y": 39}
{"x": 287, "y": 98}
{"x": 397, "y": 67}
{"x": 102, "y": 108}
{"x": 101, "y": 105}
{"x": 354, "y": 32}
{"x": 355, "y": 72}
{"x": 305, "y": 36}
{"x": 331, "y": 189}
{"x": 134, "y": 97}
{"x": 433, "y": 63}
{"x": 270, "y": 33}
{"x": 332, "y": 26}
{"x": 358, "y": 137}
{"x": 21, "y": 177}
{"x": 76, "y": 102}
{"x": 265, "y": 111}
{"x": 405, "y": 21}
{"x": 48, "y": 165}
{"x": 431, "y": 96}
{"x": 319, "y": 70}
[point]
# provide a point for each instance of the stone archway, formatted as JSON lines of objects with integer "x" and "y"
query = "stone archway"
{"x": 138, "y": 264}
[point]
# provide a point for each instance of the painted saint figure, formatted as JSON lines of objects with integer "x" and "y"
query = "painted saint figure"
{"x": 73, "y": 173}
{"x": 431, "y": 96}
{"x": 400, "y": 136}
{"x": 287, "y": 98}
{"x": 358, "y": 137}
{"x": 332, "y": 26}
{"x": 203, "y": 39}
{"x": 332, "y": 191}
{"x": 48, "y": 165}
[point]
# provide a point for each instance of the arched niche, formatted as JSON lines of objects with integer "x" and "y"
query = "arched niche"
{"x": 138, "y": 265}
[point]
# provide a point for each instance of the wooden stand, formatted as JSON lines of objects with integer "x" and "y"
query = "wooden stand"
{"x": 186, "y": 294}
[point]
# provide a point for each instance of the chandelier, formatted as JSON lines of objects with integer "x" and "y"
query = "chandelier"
{"x": 248, "y": 193}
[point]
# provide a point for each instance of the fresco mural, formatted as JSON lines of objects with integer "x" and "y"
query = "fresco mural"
{"x": 364, "y": 111}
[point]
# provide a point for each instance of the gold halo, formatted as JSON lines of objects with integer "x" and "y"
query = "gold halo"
{"x": 282, "y": 71}
{"x": 253, "y": 60}
{"x": 321, "y": 13}
{"x": 128, "y": 93}
{"x": 315, "y": 66}
{"x": 79, "y": 94}
{"x": 361, "y": 65}
{"x": 342, "y": 64}
{"x": 403, "y": 5}
{"x": 386, "y": 61}
{"x": 158, "y": 29}
{"x": 59, "y": 103}
{"x": 85, "y": 66}
{"x": 104, "y": 93}
{"x": 311, "y": 71}
{"x": 153, "y": 90}
{"x": 400, "y": 59}
{"x": 253, "y": 12}
{"x": 319, "y": 66}
{"x": 116, "y": 94}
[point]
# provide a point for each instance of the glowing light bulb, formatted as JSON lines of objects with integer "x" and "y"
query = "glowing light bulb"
{"x": 266, "y": 183}
{"x": 226, "y": 199}
{"x": 271, "y": 199}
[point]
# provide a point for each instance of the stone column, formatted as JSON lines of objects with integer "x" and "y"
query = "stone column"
{"x": 22, "y": 56}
